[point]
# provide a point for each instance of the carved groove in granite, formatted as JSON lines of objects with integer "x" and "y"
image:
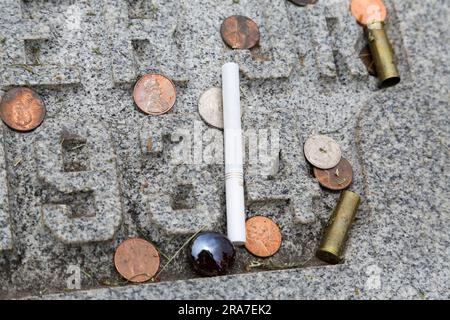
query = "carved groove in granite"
{"x": 68, "y": 170}
{"x": 283, "y": 176}
{"x": 275, "y": 56}
{"x": 185, "y": 198}
{"x": 336, "y": 40}
{"x": 144, "y": 38}
{"x": 20, "y": 40}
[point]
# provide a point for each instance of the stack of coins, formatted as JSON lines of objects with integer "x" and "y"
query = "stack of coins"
{"x": 330, "y": 169}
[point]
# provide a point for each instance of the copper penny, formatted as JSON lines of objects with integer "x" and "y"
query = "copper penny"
{"x": 368, "y": 11}
{"x": 154, "y": 94}
{"x": 303, "y": 3}
{"x": 22, "y": 109}
{"x": 137, "y": 260}
{"x": 337, "y": 178}
{"x": 240, "y": 32}
{"x": 263, "y": 236}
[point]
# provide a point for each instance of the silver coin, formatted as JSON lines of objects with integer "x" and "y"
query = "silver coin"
{"x": 322, "y": 152}
{"x": 210, "y": 107}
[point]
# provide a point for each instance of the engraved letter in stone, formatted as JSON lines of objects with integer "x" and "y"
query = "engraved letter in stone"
{"x": 76, "y": 164}
{"x": 181, "y": 197}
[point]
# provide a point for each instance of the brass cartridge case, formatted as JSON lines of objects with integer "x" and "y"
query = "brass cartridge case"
{"x": 383, "y": 55}
{"x": 336, "y": 232}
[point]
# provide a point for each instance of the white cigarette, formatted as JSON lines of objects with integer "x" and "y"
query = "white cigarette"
{"x": 234, "y": 172}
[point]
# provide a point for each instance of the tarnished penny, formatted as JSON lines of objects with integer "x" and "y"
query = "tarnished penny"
{"x": 303, "y": 3}
{"x": 337, "y": 178}
{"x": 367, "y": 11}
{"x": 210, "y": 107}
{"x": 240, "y": 32}
{"x": 154, "y": 94}
{"x": 322, "y": 152}
{"x": 137, "y": 260}
{"x": 22, "y": 109}
{"x": 263, "y": 236}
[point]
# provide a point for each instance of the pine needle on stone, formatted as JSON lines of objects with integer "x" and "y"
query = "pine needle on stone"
{"x": 179, "y": 250}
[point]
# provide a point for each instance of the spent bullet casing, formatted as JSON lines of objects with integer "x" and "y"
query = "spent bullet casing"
{"x": 382, "y": 53}
{"x": 336, "y": 232}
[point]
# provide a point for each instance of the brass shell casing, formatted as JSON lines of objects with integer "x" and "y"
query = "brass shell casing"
{"x": 336, "y": 232}
{"x": 382, "y": 53}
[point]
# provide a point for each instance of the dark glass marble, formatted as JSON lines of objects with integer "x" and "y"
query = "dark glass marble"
{"x": 211, "y": 254}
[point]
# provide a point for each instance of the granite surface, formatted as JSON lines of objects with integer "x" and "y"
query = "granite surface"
{"x": 98, "y": 171}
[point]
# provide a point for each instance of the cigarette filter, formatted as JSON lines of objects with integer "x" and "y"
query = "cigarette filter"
{"x": 234, "y": 172}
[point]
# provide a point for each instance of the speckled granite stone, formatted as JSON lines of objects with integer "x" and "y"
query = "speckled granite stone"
{"x": 67, "y": 169}
{"x": 122, "y": 173}
{"x": 5, "y": 223}
{"x": 180, "y": 194}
